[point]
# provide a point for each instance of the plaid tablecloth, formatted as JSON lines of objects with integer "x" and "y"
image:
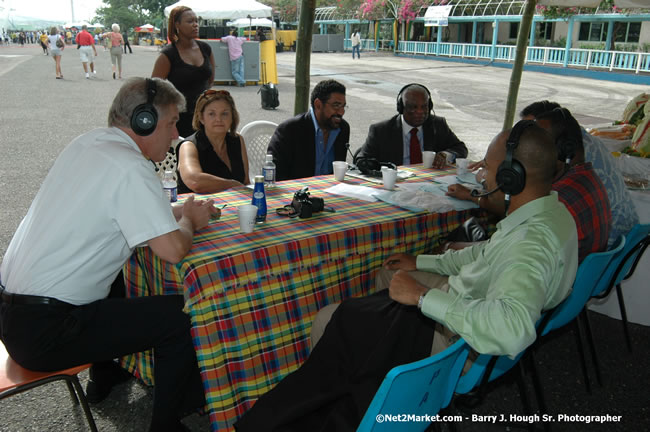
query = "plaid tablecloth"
{"x": 252, "y": 297}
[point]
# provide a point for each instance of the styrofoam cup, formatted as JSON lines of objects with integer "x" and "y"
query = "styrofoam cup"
{"x": 389, "y": 177}
{"x": 247, "y": 214}
{"x": 461, "y": 166}
{"x": 427, "y": 158}
{"x": 340, "y": 168}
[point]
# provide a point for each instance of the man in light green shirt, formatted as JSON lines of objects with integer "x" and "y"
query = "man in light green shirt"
{"x": 496, "y": 290}
{"x": 491, "y": 294}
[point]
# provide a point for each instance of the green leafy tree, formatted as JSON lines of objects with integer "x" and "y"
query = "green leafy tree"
{"x": 287, "y": 10}
{"x": 132, "y": 13}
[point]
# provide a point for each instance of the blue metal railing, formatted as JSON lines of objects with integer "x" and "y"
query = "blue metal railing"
{"x": 369, "y": 45}
{"x": 581, "y": 58}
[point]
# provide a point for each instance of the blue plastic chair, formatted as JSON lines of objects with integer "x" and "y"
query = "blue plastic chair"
{"x": 587, "y": 279}
{"x": 420, "y": 388}
{"x": 487, "y": 368}
{"x": 636, "y": 242}
{"x": 472, "y": 386}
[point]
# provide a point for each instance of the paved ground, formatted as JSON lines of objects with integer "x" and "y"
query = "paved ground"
{"x": 40, "y": 115}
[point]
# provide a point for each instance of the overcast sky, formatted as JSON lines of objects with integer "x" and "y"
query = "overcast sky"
{"x": 54, "y": 9}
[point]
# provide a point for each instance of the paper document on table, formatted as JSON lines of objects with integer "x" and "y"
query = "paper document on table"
{"x": 359, "y": 192}
{"x": 448, "y": 179}
{"x": 441, "y": 191}
{"x": 417, "y": 201}
{"x": 411, "y": 186}
{"x": 429, "y": 197}
{"x": 468, "y": 180}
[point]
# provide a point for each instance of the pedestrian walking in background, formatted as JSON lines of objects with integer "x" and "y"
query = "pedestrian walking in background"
{"x": 116, "y": 42}
{"x": 125, "y": 37}
{"x": 236, "y": 54}
{"x": 86, "y": 47}
{"x": 56, "y": 45}
{"x": 356, "y": 44}
{"x": 43, "y": 40}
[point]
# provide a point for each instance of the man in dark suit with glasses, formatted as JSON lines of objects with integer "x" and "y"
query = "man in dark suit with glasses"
{"x": 307, "y": 144}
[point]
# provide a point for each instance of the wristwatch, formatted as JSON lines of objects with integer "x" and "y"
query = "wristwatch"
{"x": 421, "y": 299}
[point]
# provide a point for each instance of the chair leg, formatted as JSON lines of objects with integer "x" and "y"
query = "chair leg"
{"x": 621, "y": 305}
{"x": 581, "y": 353}
{"x": 73, "y": 394}
{"x": 592, "y": 346}
{"x": 537, "y": 386}
{"x": 523, "y": 395}
{"x": 84, "y": 403}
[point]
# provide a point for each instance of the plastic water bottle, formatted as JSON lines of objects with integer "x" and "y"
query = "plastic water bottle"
{"x": 268, "y": 171}
{"x": 259, "y": 199}
{"x": 169, "y": 184}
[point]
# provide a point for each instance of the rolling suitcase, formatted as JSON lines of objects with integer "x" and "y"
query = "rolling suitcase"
{"x": 269, "y": 92}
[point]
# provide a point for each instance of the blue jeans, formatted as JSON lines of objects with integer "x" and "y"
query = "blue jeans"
{"x": 356, "y": 49}
{"x": 237, "y": 70}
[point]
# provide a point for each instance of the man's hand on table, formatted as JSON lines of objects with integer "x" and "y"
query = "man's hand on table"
{"x": 475, "y": 165}
{"x": 200, "y": 212}
{"x": 405, "y": 289}
{"x": 459, "y": 191}
{"x": 440, "y": 160}
{"x": 400, "y": 261}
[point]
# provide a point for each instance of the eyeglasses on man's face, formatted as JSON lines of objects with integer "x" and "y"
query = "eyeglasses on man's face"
{"x": 338, "y": 105}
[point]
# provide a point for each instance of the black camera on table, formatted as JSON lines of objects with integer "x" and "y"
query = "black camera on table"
{"x": 304, "y": 205}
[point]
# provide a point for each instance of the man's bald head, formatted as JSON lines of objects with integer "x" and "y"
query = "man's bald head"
{"x": 534, "y": 151}
{"x": 537, "y": 154}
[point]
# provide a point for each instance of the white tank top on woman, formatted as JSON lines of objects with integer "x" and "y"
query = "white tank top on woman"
{"x": 53, "y": 39}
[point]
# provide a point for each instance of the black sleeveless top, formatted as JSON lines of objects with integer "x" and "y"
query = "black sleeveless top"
{"x": 190, "y": 80}
{"x": 212, "y": 164}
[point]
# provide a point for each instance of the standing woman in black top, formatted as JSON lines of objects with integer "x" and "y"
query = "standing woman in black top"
{"x": 214, "y": 158}
{"x": 187, "y": 63}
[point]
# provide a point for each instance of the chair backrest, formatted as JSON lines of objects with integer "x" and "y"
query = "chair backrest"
{"x": 419, "y": 388}
{"x": 257, "y": 136}
{"x": 472, "y": 378}
{"x": 589, "y": 274}
{"x": 171, "y": 160}
{"x": 635, "y": 243}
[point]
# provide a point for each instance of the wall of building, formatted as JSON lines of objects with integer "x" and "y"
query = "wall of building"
{"x": 504, "y": 33}
{"x": 644, "y": 37}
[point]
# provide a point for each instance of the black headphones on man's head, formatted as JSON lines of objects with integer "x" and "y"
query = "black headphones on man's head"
{"x": 511, "y": 174}
{"x": 400, "y": 101}
{"x": 145, "y": 116}
{"x": 566, "y": 145}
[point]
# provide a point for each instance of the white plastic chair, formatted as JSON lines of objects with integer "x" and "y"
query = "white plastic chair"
{"x": 257, "y": 136}
{"x": 171, "y": 160}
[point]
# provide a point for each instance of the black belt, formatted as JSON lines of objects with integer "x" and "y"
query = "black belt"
{"x": 20, "y": 299}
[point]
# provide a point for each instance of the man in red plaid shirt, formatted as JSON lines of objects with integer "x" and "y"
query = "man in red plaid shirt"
{"x": 577, "y": 184}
